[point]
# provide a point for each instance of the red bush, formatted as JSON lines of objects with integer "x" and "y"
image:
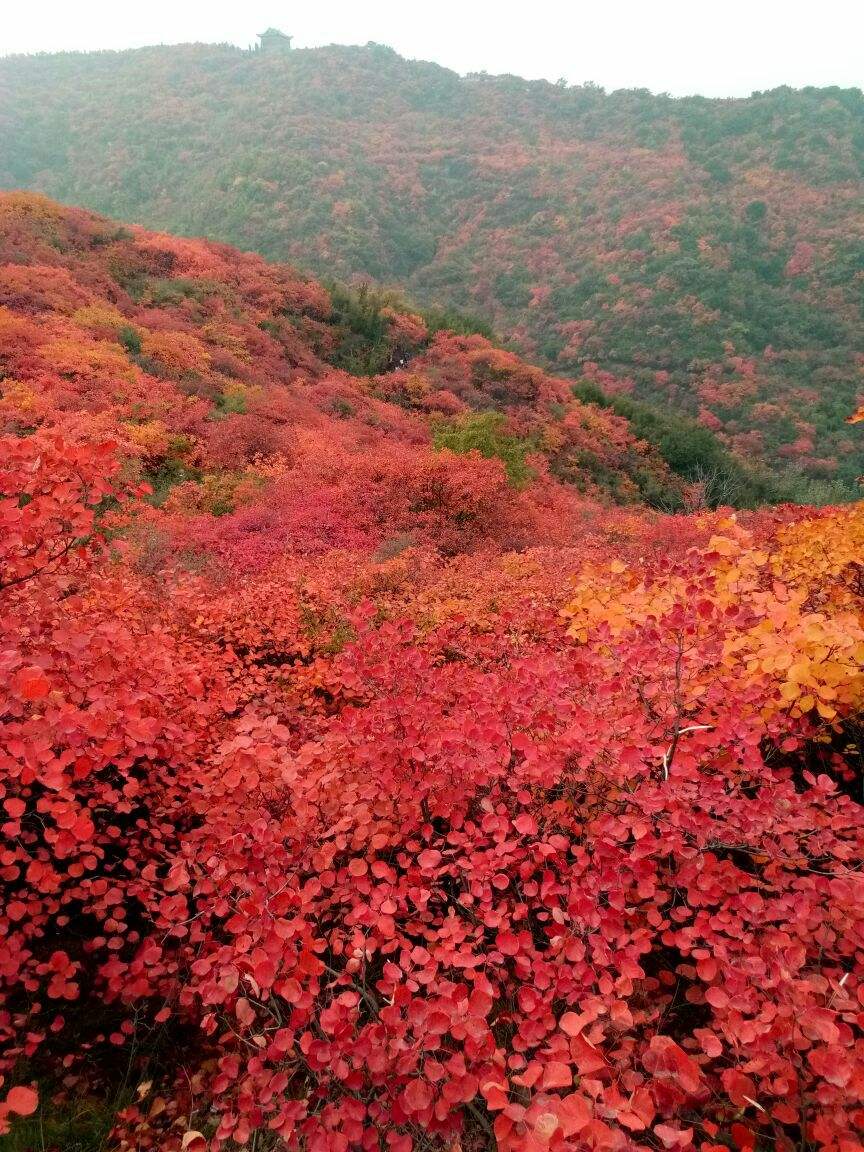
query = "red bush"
{"x": 368, "y": 802}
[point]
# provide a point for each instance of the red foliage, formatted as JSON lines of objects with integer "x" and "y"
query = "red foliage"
{"x": 407, "y": 807}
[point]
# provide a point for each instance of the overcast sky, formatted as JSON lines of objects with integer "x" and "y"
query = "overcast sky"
{"x": 717, "y": 48}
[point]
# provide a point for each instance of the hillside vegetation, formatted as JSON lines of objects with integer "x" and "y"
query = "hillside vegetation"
{"x": 704, "y": 255}
{"x": 379, "y": 770}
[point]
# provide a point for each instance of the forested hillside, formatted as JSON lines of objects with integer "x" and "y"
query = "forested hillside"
{"x": 704, "y": 255}
{"x": 190, "y": 378}
{"x": 379, "y": 772}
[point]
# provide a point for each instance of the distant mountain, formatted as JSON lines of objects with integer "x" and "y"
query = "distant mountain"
{"x": 704, "y": 255}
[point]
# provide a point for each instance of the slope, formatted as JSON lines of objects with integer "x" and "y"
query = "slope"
{"x": 365, "y": 787}
{"x": 703, "y": 255}
{"x": 219, "y": 359}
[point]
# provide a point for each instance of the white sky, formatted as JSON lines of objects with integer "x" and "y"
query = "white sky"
{"x": 717, "y": 48}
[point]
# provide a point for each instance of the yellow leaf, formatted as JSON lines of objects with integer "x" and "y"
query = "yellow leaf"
{"x": 799, "y": 673}
{"x": 722, "y": 545}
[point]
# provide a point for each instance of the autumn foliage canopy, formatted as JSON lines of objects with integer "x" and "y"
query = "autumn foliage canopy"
{"x": 370, "y": 780}
{"x": 705, "y": 256}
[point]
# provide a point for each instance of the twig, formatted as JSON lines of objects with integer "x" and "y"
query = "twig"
{"x": 670, "y": 751}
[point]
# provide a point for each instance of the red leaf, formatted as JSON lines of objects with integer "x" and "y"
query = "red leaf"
{"x": 708, "y": 1041}
{"x": 665, "y": 1060}
{"x": 507, "y": 943}
{"x": 833, "y": 1063}
{"x": 738, "y": 1086}
{"x": 557, "y": 1074}
{"x": 495, "y": 1095}
{"x": 22, "y": 1100}
{"x": 674, "y": 1137}
{"x": 818, "y": 1024}
{"x": 244, "y": 1011}
{"x": 83, "y": 828}
{"x": 32, "y": 683}
{"x": 743, "y": 1137}
{"x": 573, "y": 1022}
{"x": 417, "y": 1096}
{"x": 574, "y": 1112}
{"x": 586, "y": 1058}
